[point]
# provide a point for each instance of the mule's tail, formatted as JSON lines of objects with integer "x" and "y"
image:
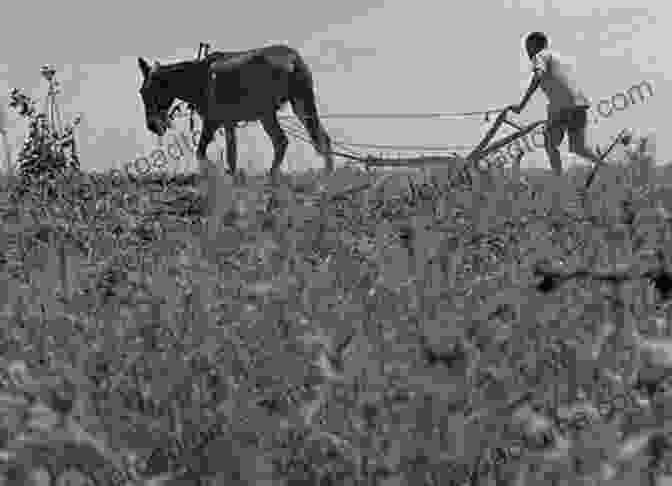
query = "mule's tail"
{"x": 302, "y": 97}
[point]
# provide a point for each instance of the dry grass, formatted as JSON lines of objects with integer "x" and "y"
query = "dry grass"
{"x": 359, "y": 328}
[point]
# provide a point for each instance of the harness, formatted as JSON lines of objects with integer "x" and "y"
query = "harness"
{"x": 203, "y": 50}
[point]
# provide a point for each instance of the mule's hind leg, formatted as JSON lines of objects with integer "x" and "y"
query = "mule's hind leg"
{"x": 280, "y": 142}
{"x": 306, "y": 111}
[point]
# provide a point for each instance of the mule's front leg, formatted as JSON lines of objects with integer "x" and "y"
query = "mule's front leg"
{"x": 204, "y": 165}
{"x": 208, "y": 176}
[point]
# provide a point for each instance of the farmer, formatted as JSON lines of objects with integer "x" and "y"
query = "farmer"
{"x": 567, "y": 105}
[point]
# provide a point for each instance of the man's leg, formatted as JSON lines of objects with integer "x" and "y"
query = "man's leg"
{"x": 553, "y": 136}
{"x": 580, "y": 142}
{"x": 579, "y": 137}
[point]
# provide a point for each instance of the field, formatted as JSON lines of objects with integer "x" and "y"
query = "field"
{"x": 352, "y": 329}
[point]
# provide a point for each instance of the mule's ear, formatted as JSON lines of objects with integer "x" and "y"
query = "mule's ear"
{"x": 144, "y": 67}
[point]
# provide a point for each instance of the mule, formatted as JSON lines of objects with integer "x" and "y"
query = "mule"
{"x": 226, "y": 88}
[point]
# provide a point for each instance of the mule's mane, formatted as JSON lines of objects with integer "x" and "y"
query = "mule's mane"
{"x": 173, "y": 68}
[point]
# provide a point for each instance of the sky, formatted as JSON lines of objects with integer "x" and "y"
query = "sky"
{"x": 367, "y": 56}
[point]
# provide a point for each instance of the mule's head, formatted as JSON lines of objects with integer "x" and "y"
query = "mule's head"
{"x": 156, "y": 96}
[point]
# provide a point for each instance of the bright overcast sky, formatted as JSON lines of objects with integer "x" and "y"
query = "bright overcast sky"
{"x": 367, "y": 56}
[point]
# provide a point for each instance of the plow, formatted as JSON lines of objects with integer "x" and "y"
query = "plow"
{"x": 486, "y": 147}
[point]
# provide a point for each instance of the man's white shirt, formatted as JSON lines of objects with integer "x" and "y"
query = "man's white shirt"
{"x": 558, "y": 81}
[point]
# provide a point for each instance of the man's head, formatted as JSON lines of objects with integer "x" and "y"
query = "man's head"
{"x": 535, "y": 42}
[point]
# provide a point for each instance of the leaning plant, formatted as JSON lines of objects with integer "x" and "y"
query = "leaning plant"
{"x": 44, "y": 152}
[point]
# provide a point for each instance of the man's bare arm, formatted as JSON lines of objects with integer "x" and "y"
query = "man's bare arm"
{"x": 534, "y": 84}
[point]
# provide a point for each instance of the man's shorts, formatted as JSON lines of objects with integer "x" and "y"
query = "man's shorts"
{"x": 570, "y": 119}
